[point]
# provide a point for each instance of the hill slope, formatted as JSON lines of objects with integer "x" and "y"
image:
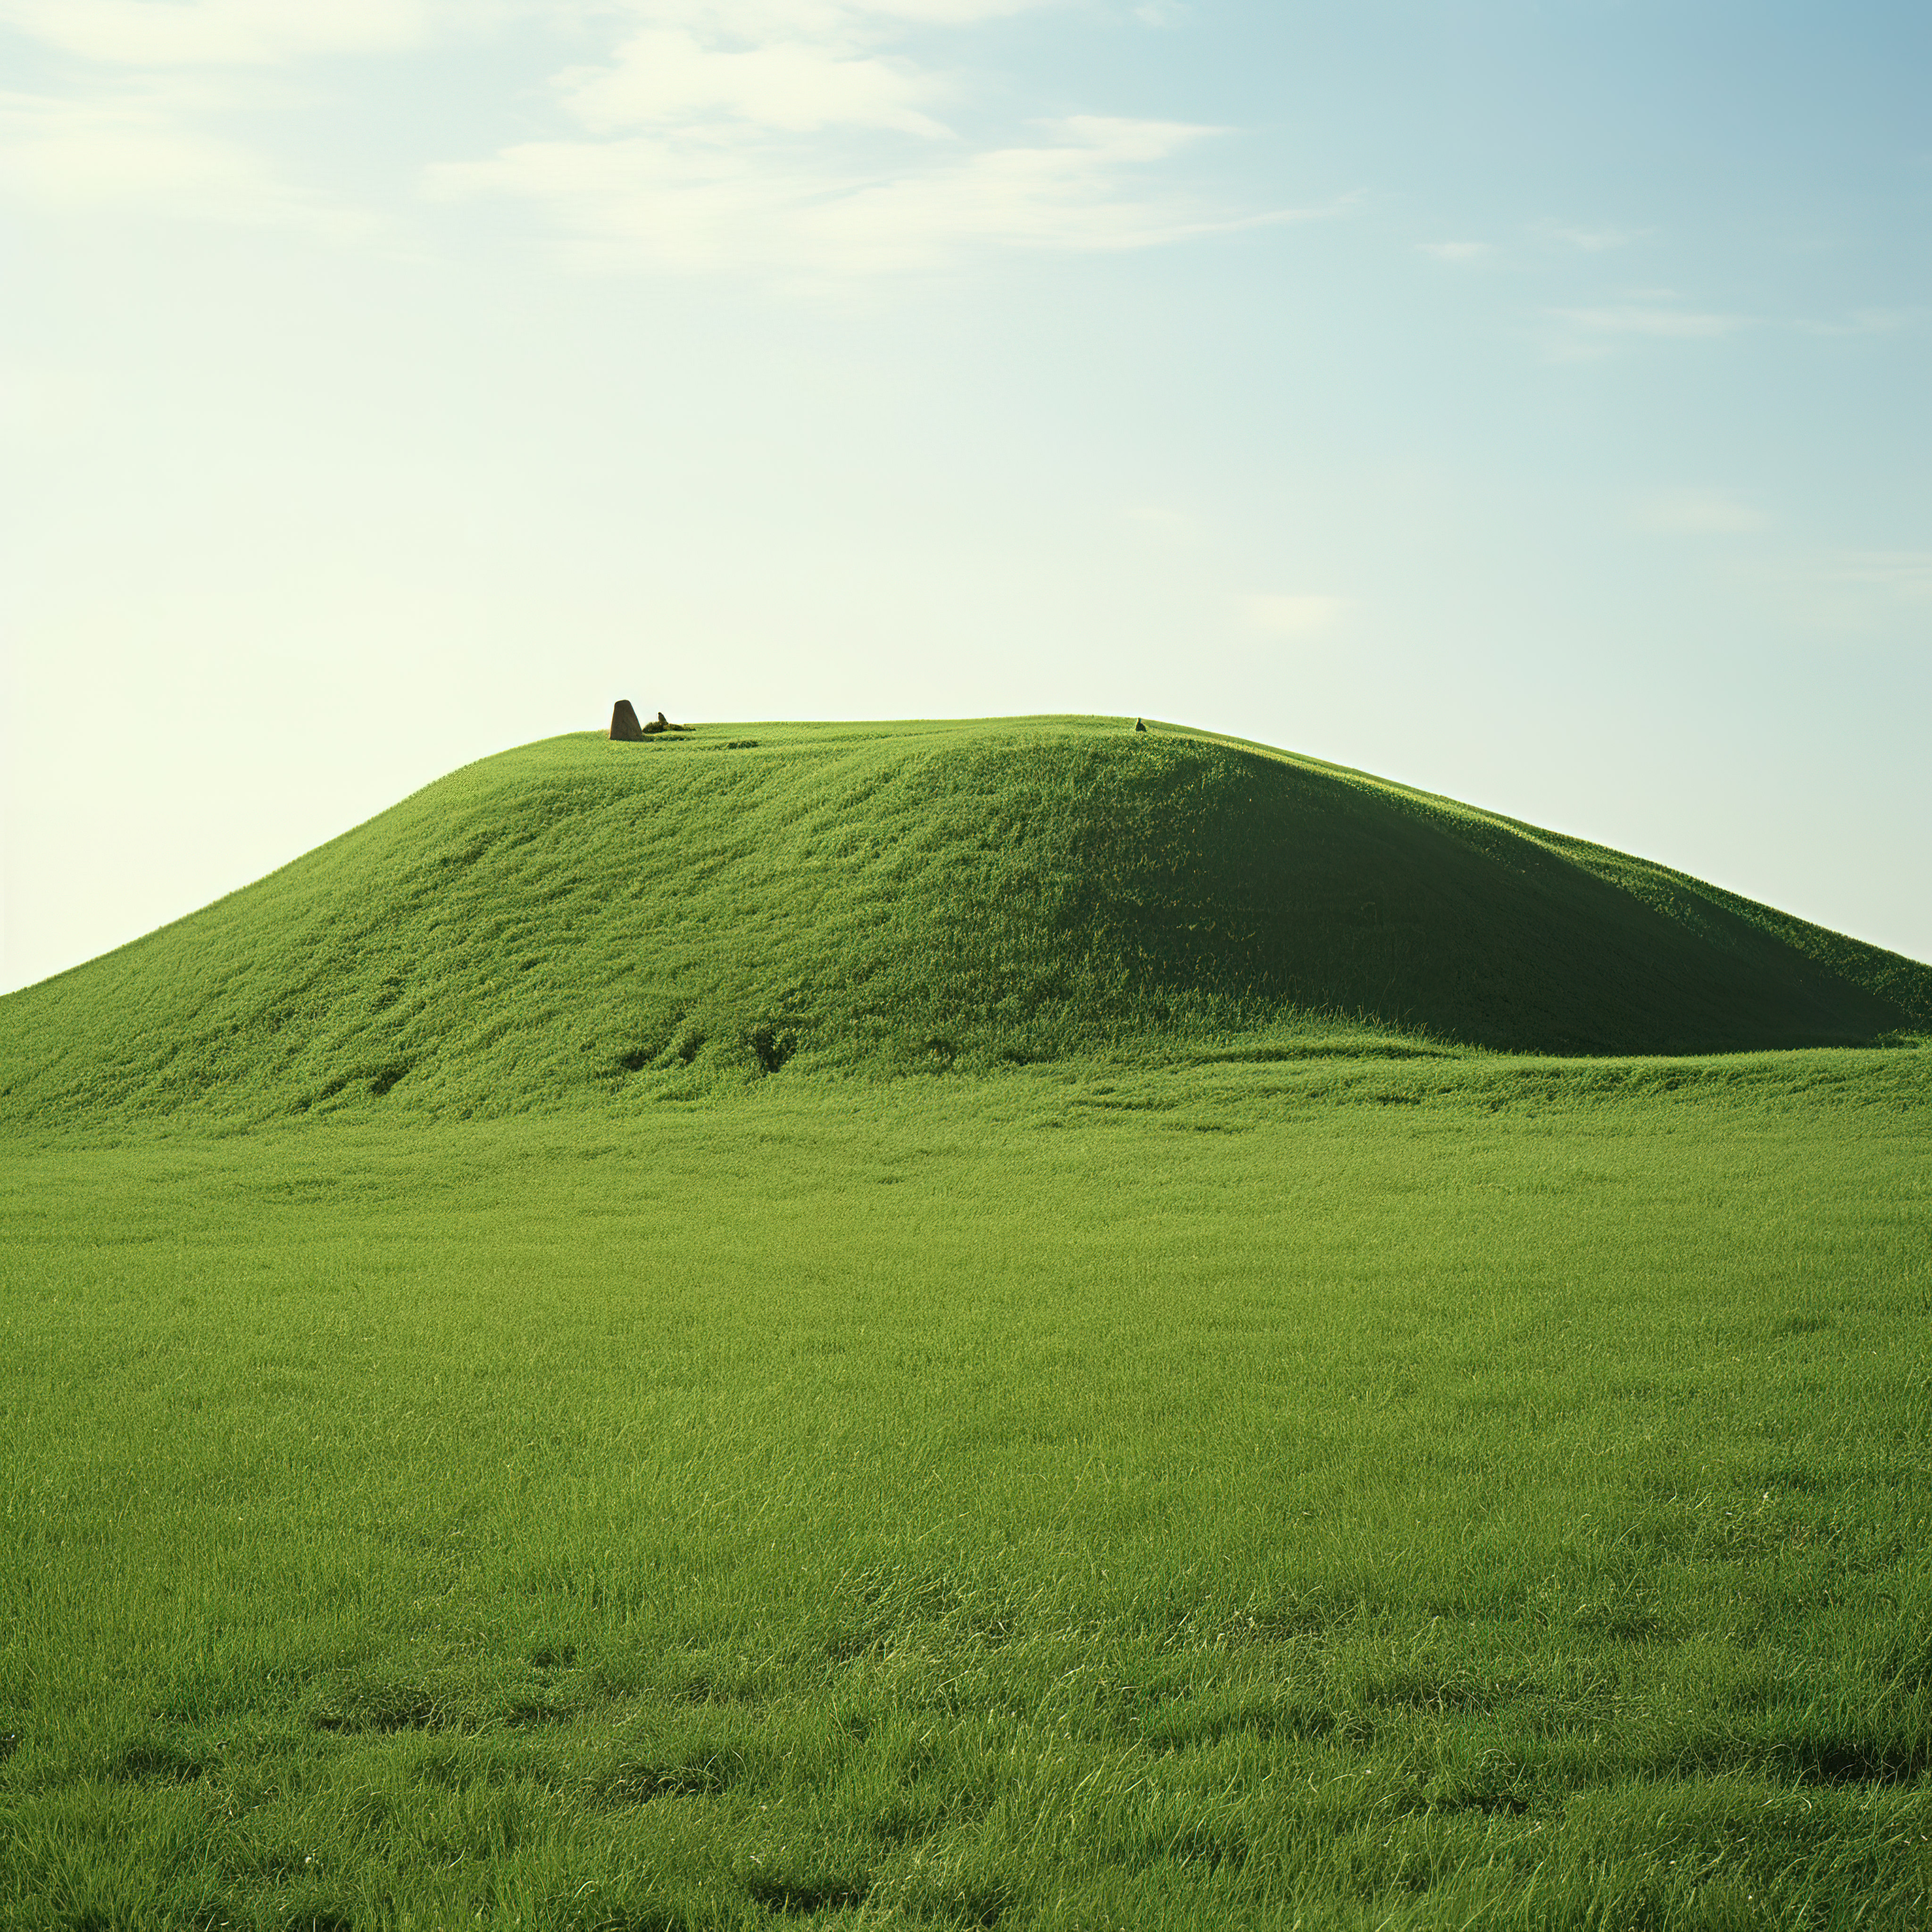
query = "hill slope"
{"x": 579, "y": 922}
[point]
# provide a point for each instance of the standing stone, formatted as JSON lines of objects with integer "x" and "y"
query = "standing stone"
{"x": 1140, "y": 724}
{"x": 624, "y": 722}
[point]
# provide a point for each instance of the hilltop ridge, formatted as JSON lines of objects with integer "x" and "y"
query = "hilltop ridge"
{"x": 581, "y": 922}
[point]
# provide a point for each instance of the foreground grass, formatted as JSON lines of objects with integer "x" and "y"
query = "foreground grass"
{"x": 1328, "y": 1493}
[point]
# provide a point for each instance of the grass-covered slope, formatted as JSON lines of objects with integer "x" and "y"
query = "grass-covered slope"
{"x": 581, "y": 921}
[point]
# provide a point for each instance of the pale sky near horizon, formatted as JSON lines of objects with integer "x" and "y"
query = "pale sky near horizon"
{"x": 1528, "y": 402}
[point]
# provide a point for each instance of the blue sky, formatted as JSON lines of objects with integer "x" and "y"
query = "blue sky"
{"x": 1529, "y": 402}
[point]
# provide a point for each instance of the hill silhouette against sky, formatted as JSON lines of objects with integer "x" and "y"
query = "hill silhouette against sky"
{"x": 577, "y": 921}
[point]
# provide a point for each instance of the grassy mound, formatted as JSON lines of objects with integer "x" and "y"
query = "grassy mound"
{"x": 578, "y": 922}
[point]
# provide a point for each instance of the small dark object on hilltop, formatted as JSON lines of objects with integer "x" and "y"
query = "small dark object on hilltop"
{"x": 661, "y": 723}
{"x": 624, "y": 723}
{"x": 1140, "y": 724}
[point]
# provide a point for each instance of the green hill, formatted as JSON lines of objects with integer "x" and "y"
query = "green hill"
{"x": 1279, "y": 1461}
{"x": 581, "y": 922}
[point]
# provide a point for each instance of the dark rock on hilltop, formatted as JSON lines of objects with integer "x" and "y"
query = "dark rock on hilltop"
{"x": 624, "y": 723}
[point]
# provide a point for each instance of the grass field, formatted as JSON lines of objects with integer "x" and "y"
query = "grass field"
{"x": 1236, "y": 1498}
{"x": 1289, "y": 1468}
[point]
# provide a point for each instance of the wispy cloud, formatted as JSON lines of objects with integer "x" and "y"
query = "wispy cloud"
{"x": 1461, "y": 252}
{"x": 146, "y": 121}
{"x": 1694, "y": 512}
{"x": 1864, "y": 322}
{"x": 668, "y": 76}
{"x": 1590, "y": 240}
{"x": 804, "y": 137}
{"x": 810, "y": 139}
{"x": 227, "y": 33}
{"x": 1296, "y": 615}
{"x": 1656, "y": 320}
{"x": 689, "y": 200}
{"x": 1905, "y": 574}
{"x": 1843, "y": 595}
{"x": 135, "y": 147}
{"x": 1590, "y": 334}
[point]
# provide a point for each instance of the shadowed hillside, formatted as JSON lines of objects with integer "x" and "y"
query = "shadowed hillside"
{"x": 581, "y": 922}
